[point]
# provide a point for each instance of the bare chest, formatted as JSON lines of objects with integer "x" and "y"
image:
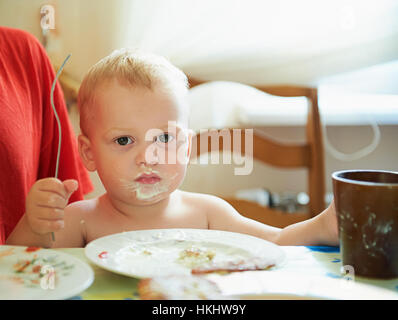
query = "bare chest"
{"x": 104, "y": 223}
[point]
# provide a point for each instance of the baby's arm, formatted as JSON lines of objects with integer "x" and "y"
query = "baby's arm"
{"x": 45, "y": 213}
{"x": 72, "y": 235}
{"x": 321, "y": 229}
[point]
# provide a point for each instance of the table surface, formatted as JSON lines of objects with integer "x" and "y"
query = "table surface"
{"x": 305, "y": 271}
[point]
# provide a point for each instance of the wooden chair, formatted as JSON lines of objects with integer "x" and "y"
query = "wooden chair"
{"x": 309, "y": 155}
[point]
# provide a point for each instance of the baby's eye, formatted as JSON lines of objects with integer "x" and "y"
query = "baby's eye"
{"x": 123, "y": 141}
{"x": 164, "y": 138}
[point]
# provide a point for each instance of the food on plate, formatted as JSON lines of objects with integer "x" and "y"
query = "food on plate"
{"x": 195, "y": 256}
{"x": 202, "y": 260}
{"x": 249, "y": 264}
{"x": 157, "y": 253}
{"x": 178, "y": 288}
{"x": 188, "y": 257}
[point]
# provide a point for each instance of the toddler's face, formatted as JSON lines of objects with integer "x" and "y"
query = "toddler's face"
{"x": 139, "y": 142}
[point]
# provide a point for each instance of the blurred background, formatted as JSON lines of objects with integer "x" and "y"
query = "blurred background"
{"x": 347, "y": 49}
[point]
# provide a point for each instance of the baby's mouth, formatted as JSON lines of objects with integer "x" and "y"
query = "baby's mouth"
{"x": 148, "y": 178}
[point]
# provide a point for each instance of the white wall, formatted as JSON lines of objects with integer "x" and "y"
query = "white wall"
{"x": 22, "y": 14}
{"x": 254, "y": 41}
{"x": 89, "y": 30}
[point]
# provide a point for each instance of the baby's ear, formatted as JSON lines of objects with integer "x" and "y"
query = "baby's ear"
{"x": 86, "y": 153}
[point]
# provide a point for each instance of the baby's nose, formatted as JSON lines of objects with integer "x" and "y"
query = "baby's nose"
{"x": 147, "y": 156}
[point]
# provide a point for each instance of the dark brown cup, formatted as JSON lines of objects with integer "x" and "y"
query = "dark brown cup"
{"x": 367, "y": 213}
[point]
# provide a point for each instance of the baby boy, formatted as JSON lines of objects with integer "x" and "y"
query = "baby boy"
{"x": 134, "y": 123}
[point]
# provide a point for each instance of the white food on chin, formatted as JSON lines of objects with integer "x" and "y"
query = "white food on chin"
{"x": 148, "y": 192}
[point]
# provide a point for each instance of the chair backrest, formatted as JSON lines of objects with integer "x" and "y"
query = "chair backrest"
{"x": 309, "y": 155}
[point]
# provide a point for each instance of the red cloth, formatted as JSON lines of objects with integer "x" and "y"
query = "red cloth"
{"x": 28, "y": 128}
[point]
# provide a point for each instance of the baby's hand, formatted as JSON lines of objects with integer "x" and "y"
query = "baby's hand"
{"x": 45, "y": 204}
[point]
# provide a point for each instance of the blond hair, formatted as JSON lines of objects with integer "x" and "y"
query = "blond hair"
{"x": 131, "y": 68}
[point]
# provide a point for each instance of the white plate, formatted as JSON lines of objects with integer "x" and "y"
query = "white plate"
{"x": 30, "y": 274}
{"x": 151, "y": 253}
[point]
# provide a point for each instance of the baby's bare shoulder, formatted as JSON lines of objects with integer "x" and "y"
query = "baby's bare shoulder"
{"x": 75, "y": 217}
{"x": 203, "y": 201}
{"x": 81, "y": 209}
{"x": 219, "y": 213}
